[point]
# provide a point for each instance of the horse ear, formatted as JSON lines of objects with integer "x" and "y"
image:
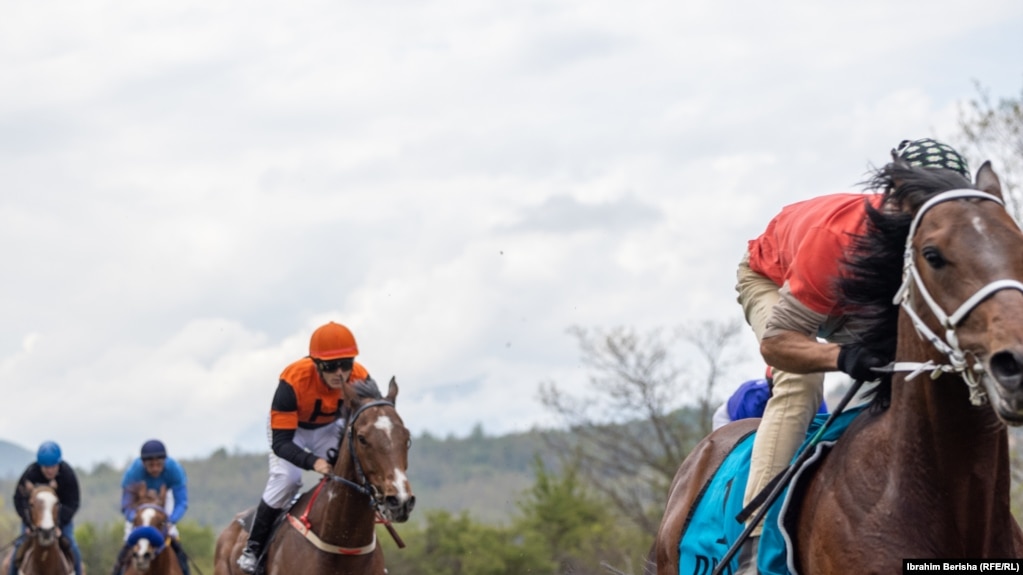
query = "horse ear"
{"x": 987, "y": 180}
{"x": 163, "y": 494}
{"x": 392, "y": 391}
{"x": 26, "y": 487}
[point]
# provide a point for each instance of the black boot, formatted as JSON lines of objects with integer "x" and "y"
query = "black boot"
{"x": 182, "y": 557}
{"x": 262, "y": 524}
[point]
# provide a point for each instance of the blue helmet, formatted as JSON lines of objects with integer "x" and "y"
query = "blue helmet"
{"x": 48, "y": 454}
{"x": 153, "y": 449}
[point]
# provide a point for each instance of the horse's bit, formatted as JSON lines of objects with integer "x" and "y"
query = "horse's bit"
{"x": 950, "y": 344}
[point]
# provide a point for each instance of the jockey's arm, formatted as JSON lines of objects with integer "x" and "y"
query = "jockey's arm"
{"x": 179, "y": 487}
{"x": 789, "y": 341}
{"x": 68, "y": 492}
{"x": 795, "y": 352}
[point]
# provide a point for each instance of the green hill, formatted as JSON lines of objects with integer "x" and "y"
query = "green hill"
{"x": 478, "y": 474}
{"x": 13, "y": 460}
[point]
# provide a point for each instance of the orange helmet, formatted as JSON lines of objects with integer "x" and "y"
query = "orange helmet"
{"x": 332, "y": 341}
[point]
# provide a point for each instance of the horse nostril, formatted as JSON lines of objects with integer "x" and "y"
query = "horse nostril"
{"x": 411, "y": 503}
{"x": 392, "y": 501}
{"x": 1006, "y": 369}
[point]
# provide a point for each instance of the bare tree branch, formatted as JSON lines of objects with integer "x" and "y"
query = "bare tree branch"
{"x": 649, "y": 401}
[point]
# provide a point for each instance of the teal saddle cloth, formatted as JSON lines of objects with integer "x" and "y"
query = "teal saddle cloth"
{"x": 712, "y": 527}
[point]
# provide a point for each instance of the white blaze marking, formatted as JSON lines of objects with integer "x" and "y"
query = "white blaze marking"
{"x": 384, "y": 423}
{"x": 147, "y": 516}
{"x": 49, "y": 501}
{"x": 978, "y": 225}
{"x": 400, "y": 481}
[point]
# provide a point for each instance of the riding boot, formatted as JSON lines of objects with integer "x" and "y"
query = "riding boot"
{"x": 179, "y": 551}
{"x": 122, "y": 555}
{"x": 748, "y": 556}
{"x": 262, "y": 524}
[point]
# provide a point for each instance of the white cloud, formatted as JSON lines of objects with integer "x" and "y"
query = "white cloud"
{"x": 190, "y": 188}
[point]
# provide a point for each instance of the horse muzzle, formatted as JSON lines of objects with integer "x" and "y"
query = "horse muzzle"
{"x": 1005, "y": 385}
{"x": 46, "y": 537}
{"x": 397, "y": 510}
{"x": 142, "y": 560}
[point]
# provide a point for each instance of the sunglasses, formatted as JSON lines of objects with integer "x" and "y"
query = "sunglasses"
{"x": 330, "y": 366}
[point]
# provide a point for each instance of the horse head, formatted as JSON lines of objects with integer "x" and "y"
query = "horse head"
{"x": 148, "y": 536}
{"x": 962, "y": 285}
{"x": 378, "y": 444}
{"x": 44, "y": 511}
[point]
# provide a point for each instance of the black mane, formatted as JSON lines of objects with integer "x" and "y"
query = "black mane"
{"x": 872, "y": 270}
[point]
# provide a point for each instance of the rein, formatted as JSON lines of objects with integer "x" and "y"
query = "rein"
{"x": 949, "y": 346}
{"x": 362, "y": 485}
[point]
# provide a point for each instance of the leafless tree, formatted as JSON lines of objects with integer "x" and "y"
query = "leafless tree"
{"x": 994, "y": 131}
{"x": 649, "y": 400}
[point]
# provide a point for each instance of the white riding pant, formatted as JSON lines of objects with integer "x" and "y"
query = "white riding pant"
{"x": 285, "y": 477}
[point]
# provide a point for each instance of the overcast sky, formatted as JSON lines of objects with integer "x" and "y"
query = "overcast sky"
{"x": 188, "y": 189}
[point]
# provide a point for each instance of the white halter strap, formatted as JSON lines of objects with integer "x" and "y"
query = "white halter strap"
{"x": 949, "y": 346}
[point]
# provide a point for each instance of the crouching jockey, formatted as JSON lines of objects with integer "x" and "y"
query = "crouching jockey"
{"x": 305, "y": 422}
{"x": 154, "y": 472}
{"x": 48, "y": 469}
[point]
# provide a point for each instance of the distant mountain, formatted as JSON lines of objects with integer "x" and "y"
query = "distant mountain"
{"x": 479, "y": 474}
{"x": 13, "y": 460}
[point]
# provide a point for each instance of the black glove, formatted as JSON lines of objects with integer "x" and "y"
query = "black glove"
{"x": 857, "y": 361}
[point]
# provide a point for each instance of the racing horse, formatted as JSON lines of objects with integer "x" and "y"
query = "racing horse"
{"x": 332, "y": 527}
{"x": 923, "y": 472}
{"x": 149, "y": 538}
{"x": 41, "y": 553}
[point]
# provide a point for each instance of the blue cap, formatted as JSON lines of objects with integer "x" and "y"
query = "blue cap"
{"x": 48, "y": 454}
{"x": 153, "y": 449}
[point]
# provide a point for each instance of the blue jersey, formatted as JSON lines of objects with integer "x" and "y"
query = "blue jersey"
{"x": 173, "y": 476}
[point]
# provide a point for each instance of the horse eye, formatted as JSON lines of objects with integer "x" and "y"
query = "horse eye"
{"x": 362, "y": 440}
{"x": 933, "y": 257}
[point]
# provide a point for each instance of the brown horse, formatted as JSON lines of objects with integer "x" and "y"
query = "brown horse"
{"x": 924, "y": 472}
{"x": 41, "y": 552}
{"x": 331, "y": 529}
{"x": 151, "y": 551}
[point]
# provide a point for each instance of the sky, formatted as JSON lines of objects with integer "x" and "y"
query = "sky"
{"x": 188, "y": 189}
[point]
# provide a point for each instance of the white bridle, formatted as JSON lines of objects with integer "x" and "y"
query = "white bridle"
{"x": 950, "y": 344}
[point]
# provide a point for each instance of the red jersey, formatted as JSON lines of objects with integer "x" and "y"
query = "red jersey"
{"x": 805, "y": 244}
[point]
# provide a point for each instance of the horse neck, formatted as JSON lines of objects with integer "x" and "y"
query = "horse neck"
{"x": 43, "y": 558}
{"x": 340, "y": 514}
{"x": 961, "y": 449}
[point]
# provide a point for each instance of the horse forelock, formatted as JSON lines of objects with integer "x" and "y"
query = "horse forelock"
{"x": 367, "y": 389}
{"x": 872, "y": 271}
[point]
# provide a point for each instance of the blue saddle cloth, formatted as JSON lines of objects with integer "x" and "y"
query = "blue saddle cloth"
{"x": 712, "y": 527}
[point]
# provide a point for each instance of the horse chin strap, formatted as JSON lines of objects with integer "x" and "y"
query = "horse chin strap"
{"x": 949, "y": 346}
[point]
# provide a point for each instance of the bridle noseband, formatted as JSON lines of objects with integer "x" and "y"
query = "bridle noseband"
{"x": 949, "y": 346}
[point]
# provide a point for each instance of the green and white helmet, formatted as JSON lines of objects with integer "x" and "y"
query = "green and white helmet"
{"x": 928, "y": 153}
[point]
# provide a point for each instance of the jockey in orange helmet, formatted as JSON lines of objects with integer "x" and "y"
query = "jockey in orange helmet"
{"x": 306, "y": 419}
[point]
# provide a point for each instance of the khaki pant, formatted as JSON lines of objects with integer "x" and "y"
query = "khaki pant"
{"x": 794, "y": 400}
